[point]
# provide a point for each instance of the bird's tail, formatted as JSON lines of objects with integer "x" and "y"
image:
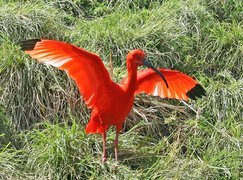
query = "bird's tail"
{"x": 94, "y": 126}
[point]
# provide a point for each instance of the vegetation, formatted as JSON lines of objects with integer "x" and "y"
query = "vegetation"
{"x": 42, "y": 116}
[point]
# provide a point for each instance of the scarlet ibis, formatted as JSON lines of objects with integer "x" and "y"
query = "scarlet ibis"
{"x": 111, "y": 102}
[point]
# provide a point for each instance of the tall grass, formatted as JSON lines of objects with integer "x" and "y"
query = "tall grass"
{"x": 43, "y": 116}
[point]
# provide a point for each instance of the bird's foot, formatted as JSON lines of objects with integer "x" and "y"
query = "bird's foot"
{"x": 104, "y": 158}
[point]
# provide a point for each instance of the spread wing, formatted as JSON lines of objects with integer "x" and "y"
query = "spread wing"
{"x": 181, "y": 86}
{"x": 84, "y": 67}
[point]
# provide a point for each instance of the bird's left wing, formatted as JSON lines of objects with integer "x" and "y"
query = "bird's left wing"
{"x": 84, "y": 67}
{"x": 181, "y": 86}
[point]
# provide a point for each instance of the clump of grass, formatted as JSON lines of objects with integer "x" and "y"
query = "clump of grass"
{"x": 62, "y": 151}
{"x": 88, "y": 9}
{"x": 7, "y": 130}
{"x": 10, "y": 55}
{"x": 226, "y": 11}
{"x": 11, "y": 161}
{"x": 224, "y": 98}
{"x": 124, "y": 30}
{"x": 19, "y": 21}
{"x": 31, "y": 102}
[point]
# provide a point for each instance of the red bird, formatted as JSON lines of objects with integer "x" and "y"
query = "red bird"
{"x": 111, "y": 102}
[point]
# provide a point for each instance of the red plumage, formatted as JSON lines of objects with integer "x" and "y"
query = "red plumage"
{"x": 111, "y": 102}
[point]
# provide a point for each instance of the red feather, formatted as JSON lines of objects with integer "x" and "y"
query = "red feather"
{"x": 181, "y": 86}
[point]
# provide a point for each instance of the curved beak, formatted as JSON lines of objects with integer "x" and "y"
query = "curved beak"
{"x": 149, "y": 65}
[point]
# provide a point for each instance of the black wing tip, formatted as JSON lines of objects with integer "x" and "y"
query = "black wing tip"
{"x": 196, "y": 92}
{"x": 28, "y": 44}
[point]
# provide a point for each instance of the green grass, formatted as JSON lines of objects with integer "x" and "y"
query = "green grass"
{"x": 42, "y": 115}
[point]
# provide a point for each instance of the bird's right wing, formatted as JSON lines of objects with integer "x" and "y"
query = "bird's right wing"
{"x": 84, "y": 67}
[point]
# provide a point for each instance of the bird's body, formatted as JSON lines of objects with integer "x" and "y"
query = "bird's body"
{"x": 107, "y": 113}
{"x": 111, "y": 102}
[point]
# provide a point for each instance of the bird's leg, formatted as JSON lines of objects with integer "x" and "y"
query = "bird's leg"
{"x": 104, "y": 155}
{"x": 116, "y": 144}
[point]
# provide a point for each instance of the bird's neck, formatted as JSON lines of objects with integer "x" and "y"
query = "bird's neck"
{"x": 132, "y": 78}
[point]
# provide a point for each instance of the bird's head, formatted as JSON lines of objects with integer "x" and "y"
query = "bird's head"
{"x": 137, "y": 58}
